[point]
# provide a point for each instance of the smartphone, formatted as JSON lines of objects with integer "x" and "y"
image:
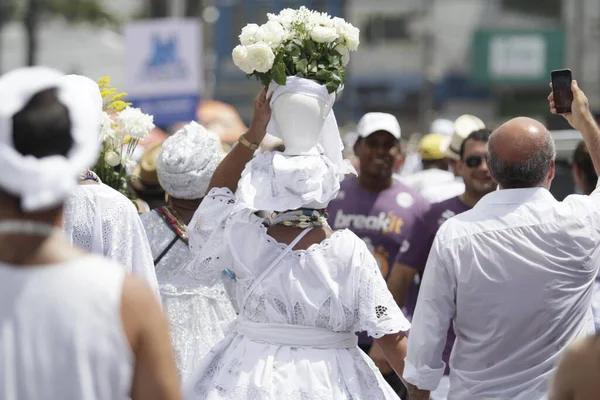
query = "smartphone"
{"x": 561, "y": 87}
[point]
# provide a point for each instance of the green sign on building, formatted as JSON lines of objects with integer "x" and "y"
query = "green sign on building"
{"x": 516, "y": 57}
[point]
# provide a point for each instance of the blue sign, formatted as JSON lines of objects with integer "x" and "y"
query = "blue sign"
{"x": 164, "y": 68}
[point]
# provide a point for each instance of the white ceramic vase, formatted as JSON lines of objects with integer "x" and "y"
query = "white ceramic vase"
{"x": 299, "y": 120}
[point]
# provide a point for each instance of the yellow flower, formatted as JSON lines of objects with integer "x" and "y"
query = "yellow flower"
{"x": 113, "y": 100}
{"x": 119, "y": 105}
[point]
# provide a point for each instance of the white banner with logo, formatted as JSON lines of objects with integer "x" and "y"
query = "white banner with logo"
{"x": 163, "y": 67}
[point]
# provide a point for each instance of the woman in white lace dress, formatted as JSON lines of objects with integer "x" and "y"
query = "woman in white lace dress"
{"x": 199, "y": 310}
{"x": 101, "y": 220}
{"x": 302, "y": 293}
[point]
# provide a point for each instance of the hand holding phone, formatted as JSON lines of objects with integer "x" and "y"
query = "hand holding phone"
{"x": 579, "y": 115}
{"x": 561, "y": 88}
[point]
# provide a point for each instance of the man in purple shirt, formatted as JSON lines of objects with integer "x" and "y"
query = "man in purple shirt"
{"x": 376, "y": 207}
{"x": 472, "y": 166}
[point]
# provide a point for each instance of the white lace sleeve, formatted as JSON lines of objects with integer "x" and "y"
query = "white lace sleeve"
{"x": 210, "y": 217}
{"x": 210, "y": 250}
{"x": 378, "y": 313}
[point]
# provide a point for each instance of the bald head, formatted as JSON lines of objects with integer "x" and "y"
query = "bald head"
{"x": 521, "y": 154}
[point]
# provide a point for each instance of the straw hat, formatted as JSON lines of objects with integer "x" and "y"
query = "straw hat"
{"x": 463, "y": 126}
{"x": 145, "y": 175}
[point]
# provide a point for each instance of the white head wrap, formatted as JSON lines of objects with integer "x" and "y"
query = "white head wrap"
{"x": 86, "y": 85}
{"x": 276, "y": 182}
{"x": 45, "y": 182}
{"x": 187, "y": 161}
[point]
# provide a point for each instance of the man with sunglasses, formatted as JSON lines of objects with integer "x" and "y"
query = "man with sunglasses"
{"x": 472, "y": 166}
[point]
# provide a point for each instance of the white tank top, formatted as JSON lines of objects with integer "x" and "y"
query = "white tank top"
{"x": 61, "y": 333}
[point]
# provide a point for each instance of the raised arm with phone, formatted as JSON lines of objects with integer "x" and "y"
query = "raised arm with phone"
{"x": 580, "y": 118}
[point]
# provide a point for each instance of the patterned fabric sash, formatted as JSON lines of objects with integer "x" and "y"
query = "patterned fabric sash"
{"x": 173, "y": 223}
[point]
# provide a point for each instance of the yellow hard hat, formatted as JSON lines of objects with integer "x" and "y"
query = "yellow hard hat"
{"x": 433, "y": 146}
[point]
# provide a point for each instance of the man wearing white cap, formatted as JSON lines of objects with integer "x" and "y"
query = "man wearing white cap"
{"x": 74, "y": 325}
{"x": 376, "y": 207}
{"x": 199, "y": 309}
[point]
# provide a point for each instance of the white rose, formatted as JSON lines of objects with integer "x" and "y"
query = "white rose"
{"x": 285, "y": 18}
{"x": 323, "y": 19}
{"x": 271, "y": 33}
{"x": 106, "y": 128}
{"x": 339, "y": 25}
{"x": 260, "y": 57}
{"x": 248, "y": 35}
{"x": 240, "y": 59}
{"x": 323, "y": 34}
{"x": 112, "y": 158}
{"x": 351, "y": 36}
{"x": 344, "y": 52}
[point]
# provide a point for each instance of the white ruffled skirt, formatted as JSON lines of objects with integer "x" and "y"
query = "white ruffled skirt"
{"x": 199, "y": 318}
{"x": 239, "y": 368}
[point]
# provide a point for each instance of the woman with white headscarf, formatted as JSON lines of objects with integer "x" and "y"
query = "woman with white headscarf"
{"x": 74, "y": 326}
{"x": 198, "y": 308}
{"x": 101, "y": 220}
{"x": 302, "y": 289}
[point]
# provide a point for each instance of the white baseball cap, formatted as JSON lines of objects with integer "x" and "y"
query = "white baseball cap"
{"x": 376, "y": 121}
{"x": 442, "y": 126}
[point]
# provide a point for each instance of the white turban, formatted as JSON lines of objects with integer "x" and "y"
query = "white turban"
{"x": 46, "y": 182}
{"x": 86, "y": 85}
{"x": 187, "y": 161}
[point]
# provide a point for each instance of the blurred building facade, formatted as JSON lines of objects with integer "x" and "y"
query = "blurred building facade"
{"x": 418, "y": 59}
{"x": 425, "y": 58}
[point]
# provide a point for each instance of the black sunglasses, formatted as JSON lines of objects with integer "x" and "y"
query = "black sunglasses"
{"x": 474, "y": 161}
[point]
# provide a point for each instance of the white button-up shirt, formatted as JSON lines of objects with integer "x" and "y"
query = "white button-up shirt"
{"x": 436, "y": 185}
{"x": 515, "y": 275}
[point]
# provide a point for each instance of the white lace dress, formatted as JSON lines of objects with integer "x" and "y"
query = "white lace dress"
{"x": 200, "y": 311}
{"x": 102, "y": 221}
{"x": 321, "y": 295}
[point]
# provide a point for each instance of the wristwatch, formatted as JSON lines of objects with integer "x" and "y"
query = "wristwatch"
{"x": 247, "y": 143}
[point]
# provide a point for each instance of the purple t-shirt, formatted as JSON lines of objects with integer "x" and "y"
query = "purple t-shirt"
{"x": 384, "y": 220}
{"x": 425, "y": 232}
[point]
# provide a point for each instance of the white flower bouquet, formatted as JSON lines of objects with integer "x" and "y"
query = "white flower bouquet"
{"x": 121, "y": 130}
{"x": 301, "y": 43}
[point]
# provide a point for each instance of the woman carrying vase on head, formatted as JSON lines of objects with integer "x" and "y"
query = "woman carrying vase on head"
{"x": 302, "y": 289}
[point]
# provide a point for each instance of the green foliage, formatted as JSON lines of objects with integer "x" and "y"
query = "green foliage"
{"x": 306, "y": 59}
{"x": 8, "y": 10}
{"x": 92, "y": 11}
{"x": 75, "y": 11}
